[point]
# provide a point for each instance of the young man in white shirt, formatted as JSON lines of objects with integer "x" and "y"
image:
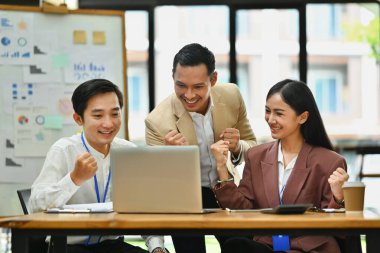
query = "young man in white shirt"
{"x": 77, "y": 168}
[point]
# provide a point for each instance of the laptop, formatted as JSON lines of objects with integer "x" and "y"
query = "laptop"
{"x": 156, "y": 179}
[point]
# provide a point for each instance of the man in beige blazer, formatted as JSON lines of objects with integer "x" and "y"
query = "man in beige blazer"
{"x": 201, "y": 112}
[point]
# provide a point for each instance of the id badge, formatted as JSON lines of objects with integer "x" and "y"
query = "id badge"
{"x": 281, "y": 243}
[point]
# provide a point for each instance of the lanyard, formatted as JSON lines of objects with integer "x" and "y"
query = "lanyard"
{"x": 281, "y": 242}
{"x": 87, "y": 243}
{"x": 95, "y": 178}
{"x": 281, "y": 193}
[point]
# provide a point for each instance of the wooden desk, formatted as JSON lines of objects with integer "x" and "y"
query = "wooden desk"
{"x": 61, "y": 225}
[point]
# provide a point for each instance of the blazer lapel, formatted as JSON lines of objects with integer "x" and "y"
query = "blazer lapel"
{"x": 298, "y": 176}
{"x": 269, "y": 169}
{"x": 218, "y": 115}
{"x": 184, "y": 122}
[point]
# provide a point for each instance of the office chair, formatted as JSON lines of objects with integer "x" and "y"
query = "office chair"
{"x": 24, "y": 196}
{"x": 37, "y": 244}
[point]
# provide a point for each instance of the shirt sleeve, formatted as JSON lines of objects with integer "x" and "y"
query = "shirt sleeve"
{"x": 235, "y": 160}
{"x": 53, "y": 187}
{"x": 153, "y": 241}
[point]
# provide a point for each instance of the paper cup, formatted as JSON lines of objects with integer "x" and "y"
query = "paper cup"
{"x": 353, "y": 193}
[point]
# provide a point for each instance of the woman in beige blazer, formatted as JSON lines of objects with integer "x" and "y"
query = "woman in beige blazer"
{"x": 300, "y": 167}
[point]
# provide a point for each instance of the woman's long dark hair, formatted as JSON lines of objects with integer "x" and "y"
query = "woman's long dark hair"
{"x": 300, "y": 98}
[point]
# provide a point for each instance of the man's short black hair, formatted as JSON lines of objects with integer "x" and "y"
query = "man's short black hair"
{"x": 85, "y": 91}
{"x": 194, "y": 54}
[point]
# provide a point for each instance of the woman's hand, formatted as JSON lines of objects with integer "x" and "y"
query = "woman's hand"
{"x": 336, "y": 181}
{"x": 232, "y": 135}
{"x": 220, "y": 152}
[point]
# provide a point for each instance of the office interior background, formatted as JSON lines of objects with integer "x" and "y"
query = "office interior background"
{"x": 331, "y": 45}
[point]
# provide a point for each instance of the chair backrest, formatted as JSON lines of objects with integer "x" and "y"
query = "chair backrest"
{"x": 37, "y": 243}
{"x": 24, "y": 196}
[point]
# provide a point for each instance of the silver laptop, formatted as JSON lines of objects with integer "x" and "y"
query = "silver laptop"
{"x": 156, "y": 179}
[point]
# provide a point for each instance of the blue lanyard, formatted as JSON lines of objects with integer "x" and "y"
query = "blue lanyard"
{"x": 95, "y": 178}
{"x": 281, "y": 242}
{"x": 96, "y": 188}
{"x": 281, "y": 193}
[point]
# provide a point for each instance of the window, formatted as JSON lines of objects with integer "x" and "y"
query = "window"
{"x": 136, "y": 26}
{"x": 343, "y": 73}
{"x": 327, "y": 89}
{"x": 267, "y": 51}
{"x": 327, "y": 27}
{"x": 177, "y": 26}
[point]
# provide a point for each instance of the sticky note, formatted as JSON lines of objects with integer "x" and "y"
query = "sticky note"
{"x": 98, "y": 38}
{"x": 53, "y": 122}
{"x": 60, "y": 60}
{"x": 79, "y": 37}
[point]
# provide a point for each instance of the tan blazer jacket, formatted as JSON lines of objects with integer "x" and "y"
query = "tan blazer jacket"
{"x": 229, "y": 111}
{"x": 306, "y": 184}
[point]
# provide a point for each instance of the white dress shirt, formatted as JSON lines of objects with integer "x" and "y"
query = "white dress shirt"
{"x": 205, "y": 137}
{"x": 203, "y": 125}
{"x": 54, "y": 187}
{"x": 283, "y": 173}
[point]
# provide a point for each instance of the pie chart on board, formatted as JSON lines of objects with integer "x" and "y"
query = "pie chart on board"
{"x": 5, "y": 41}
{"x": 23, "y": 120}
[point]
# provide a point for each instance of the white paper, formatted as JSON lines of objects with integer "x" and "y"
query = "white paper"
{"x": 16, "y": 169}
{"x": 87, "y": 64}
{"x": 16, "y": 92}
{"x": 59, "y": 99}
{"x": 42, "y": 70}
{"x": 106, "y": 207}
{"x": 31, "y": 138}
{"x": 16, "y": 38}
{"x": 11, "y": 162}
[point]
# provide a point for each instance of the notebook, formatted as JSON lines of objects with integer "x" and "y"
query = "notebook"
{"x": 156, "y": 179}
{"x": 83, "y": 208}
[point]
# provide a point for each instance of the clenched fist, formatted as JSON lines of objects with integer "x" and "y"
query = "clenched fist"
{"x": 336, "y": 181}
{"x": 220, "y": 151}
{"x": 85, "y": 168}
{"x": 232, "y": 135}
{"x": 174, "y": 138}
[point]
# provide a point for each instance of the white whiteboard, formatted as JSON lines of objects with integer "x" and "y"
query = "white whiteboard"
{"x": 43, "y": 57}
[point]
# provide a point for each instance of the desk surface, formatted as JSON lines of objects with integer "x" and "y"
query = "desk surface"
{"x": 220, "y": 220}
{"x": 61, "y": 225}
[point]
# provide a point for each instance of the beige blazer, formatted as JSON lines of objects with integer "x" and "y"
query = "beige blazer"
{"x": 229, "y": 111}
{"x": 306, "y": 184}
